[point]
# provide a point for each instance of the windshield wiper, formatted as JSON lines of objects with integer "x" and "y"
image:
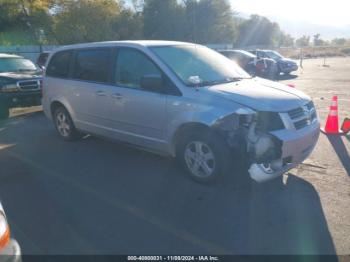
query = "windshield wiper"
{"x": 235, "y": 79}
{"x": 217, "y": 82}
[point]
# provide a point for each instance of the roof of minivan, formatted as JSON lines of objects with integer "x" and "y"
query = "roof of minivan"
{"x": 131, "y": 43}
{"x": 2, "y": 55}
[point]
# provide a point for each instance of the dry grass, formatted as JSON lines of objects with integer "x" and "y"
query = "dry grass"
{"x": 315, "y": 52}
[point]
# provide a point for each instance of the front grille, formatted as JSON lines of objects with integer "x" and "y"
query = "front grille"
{"x": 30, "y": 85}
{"x": 303, "y": 116}
{"x": 300, "y": 124}
{"x": 296, "y": 113}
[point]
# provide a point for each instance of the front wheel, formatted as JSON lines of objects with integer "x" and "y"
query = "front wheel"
{"x": 205, "y": 156}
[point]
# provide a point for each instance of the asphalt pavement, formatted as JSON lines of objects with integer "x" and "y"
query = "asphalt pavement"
{"x": 99, "y": 197}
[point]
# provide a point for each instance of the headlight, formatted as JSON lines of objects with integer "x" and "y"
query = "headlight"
{"x": 269, "y": 121}
{"x": 241, "y": 117}
{"x": 4, "y": 230}
{"x": 9, "y": 88}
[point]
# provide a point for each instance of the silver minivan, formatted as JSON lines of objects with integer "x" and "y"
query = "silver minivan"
{"x": 179, "y": 99}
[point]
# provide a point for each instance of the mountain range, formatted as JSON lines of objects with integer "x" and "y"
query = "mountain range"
{"x": 300, "y": 28}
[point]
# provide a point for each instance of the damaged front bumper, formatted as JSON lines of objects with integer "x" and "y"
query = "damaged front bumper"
{"x": 297, "y": 145}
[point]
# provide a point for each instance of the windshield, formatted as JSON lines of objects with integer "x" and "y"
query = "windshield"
{"x": 273, "y": 55}
{"x": 198, "y": 65}
{"x": 16, "y": 65}
{"x": 247, "y": 54}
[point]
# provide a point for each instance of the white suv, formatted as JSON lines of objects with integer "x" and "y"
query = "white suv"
{"x": 180, "y": 99}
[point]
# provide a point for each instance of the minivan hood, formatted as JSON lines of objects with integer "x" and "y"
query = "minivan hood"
{"x": 261, "y": 94}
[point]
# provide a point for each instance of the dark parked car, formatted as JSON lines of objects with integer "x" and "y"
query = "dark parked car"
{"x": 41, "y": 61}
{"x": 285, "y": 65}
{"x": 20, "y": 83}
{"x": 263, "y": 67}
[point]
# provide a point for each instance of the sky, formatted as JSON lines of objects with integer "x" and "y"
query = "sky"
{"x": 321, "y": 12}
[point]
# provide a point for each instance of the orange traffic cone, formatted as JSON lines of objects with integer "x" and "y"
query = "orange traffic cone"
{"x": 332, "y": 124}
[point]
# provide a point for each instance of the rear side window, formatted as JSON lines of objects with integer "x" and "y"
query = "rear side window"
{"x": 92, "y": 65}
{"x": 59, "y": 65}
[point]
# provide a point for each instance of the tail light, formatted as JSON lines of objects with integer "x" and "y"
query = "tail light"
{"x": 4, "y": 230}
{"x": 291, "y": 85}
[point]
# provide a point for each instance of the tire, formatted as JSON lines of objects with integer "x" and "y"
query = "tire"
{"x": 204, "y": 156}
{"x": 64, "y": 125}
{"x": 4, "y": 112}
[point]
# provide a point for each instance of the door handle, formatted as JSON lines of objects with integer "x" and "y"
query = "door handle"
{"x": 117, "y": 96}
{"x": 100, "y": 93}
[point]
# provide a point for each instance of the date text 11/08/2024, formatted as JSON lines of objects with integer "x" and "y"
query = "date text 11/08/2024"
{"x": 173, "y": 258}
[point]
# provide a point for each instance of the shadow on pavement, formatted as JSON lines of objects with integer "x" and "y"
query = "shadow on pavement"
{"x": 341, "y": 151}
{"x": 348, "y": 137}
{"x": 98, "y": 197}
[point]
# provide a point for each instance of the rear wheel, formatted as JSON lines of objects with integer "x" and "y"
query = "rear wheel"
{"x": 64, "y": 125}
{"x": 204, "y": 156}
{"x": 4, "y": 112}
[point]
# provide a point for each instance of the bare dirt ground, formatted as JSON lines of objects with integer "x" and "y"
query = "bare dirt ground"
{"x": 328, "y": 168}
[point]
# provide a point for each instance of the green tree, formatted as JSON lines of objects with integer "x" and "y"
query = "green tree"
{"x": 258, "y": 31}
{"x": 339, "y": 41}
{"x": 318, "y": 41}
{"x": 210, "y": 21}
{"x": 85, "y": 21}
{"x": 163, "y": 19}
{"x": 303, "y": 41}
{"x": 33, "y": 16}
{"x": 138, "y": 5}
{"x": 285, "y": 40}
{"x": 128, "y": 25}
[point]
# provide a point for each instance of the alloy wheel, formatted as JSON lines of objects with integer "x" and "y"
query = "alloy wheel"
{"x": 200, "y": 159}
{"x": 63, "y": 125}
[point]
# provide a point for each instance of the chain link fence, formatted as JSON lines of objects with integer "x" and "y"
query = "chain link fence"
{"x": 30, "y": 52}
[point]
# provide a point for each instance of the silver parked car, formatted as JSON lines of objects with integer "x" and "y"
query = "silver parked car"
{"x": 180, "y": 99}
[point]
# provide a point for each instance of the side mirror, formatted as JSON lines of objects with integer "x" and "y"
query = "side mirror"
{"x": 152, "y": 83}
